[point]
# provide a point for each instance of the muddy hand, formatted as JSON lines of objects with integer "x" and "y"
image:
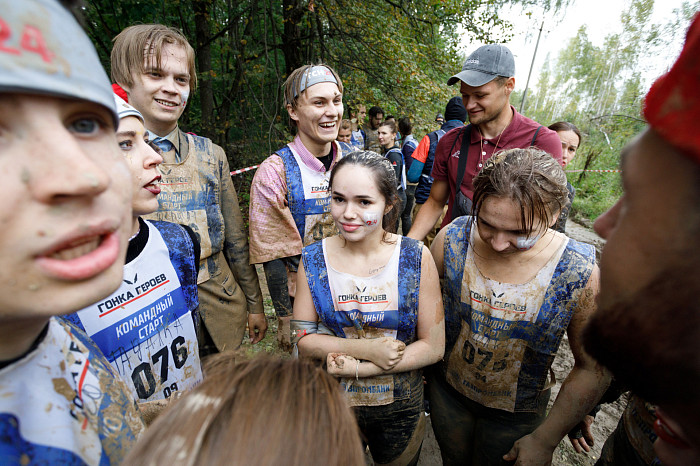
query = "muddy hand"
{"x": 257, "y": 327}
{"x": 583, "y": 439}
{"x": 340, "y": 364}
{"x": 386, "y": 352}
{"x": 531, "y": 451}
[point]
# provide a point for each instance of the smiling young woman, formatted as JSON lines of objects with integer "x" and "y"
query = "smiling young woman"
{"x": 368, "y": 302}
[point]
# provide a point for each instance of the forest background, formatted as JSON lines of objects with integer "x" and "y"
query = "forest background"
{"x": 398, "y": 54}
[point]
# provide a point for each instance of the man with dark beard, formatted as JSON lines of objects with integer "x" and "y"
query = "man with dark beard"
{"x": 647, "y": 328}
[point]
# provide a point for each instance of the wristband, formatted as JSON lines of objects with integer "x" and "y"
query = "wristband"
{"x": 357, "y": 370}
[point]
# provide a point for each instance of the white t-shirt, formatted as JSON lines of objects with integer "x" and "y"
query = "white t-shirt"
{"x": 371, "y": 307}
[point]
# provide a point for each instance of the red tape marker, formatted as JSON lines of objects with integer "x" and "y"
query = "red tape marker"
{"x": 594, "y": 171}
{"x": 243, "y": 170}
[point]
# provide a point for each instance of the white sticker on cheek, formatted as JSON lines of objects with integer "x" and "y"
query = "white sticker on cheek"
{"x": 524, "y": 243}
{"x": 185, "y": 96}
{"x": 371, "y": 218}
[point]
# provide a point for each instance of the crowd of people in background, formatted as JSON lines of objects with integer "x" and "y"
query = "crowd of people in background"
{"x": 401, "y": 269}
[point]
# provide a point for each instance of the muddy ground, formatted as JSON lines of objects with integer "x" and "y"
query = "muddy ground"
{"x": 605, "y": 421}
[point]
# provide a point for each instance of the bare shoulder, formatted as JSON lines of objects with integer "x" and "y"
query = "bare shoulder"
{"x": 333, "y": 244}
{"x": 427, "y": 257}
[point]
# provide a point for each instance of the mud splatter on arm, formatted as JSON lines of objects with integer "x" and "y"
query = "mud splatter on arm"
{"x": 579, "y": 393}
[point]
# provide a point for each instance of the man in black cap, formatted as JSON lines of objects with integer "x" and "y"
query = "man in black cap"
{"x": 487, "y": 80}
{"x": 424, "y": 155}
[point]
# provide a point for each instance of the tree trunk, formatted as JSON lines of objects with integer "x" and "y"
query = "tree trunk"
{"x": 292, "y": 12}
{"x": 203, "y": 55}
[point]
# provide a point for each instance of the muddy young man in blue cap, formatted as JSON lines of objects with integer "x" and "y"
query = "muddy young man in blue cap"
{"x": 486, "y": 82}
{"x": 289, "y": 197}
{"x": 66, "y": 221}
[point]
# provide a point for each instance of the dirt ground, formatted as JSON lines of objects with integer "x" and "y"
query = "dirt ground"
{"x": 564, "y": 455}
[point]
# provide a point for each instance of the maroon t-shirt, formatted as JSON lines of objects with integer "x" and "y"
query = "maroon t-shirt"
{"x": 518, "y": 134}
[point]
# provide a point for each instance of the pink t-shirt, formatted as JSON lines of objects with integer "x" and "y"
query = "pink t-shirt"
{"x": 273, "y": 233}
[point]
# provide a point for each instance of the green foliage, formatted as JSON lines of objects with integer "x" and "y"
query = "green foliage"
{"x": 392, "y": 53}
{"x": 600, "y": 89}
{"x": 268, "y": 344}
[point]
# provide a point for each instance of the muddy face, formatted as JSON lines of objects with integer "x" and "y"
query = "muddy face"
{"x": 357, "y": 206}
{"x": 143, "y": 164}
{"x": 318, "y": 113}
{"x": 161, "y": 93}
{"x": 647, "y": 229}
{"x": 67, "y": 205}
{"x": 646, "y": 328}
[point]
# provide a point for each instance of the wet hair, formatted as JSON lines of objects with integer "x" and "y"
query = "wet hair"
{"x": 346, "y": 124}
{"x": 390, "y": 123}
{"x": 263, "y": 411}
{"x": 529, "y": 177}
{"x": 566, "y": 126}
{"x": 136, "y": 43}
{"x": 292, "y": 83}
{"x": 374, "y": 111}
{"x": 405, "y": 126}
{"x": 384, "y": 177}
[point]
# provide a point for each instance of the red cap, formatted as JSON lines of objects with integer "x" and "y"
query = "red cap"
{"x": 672, "y": 106}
